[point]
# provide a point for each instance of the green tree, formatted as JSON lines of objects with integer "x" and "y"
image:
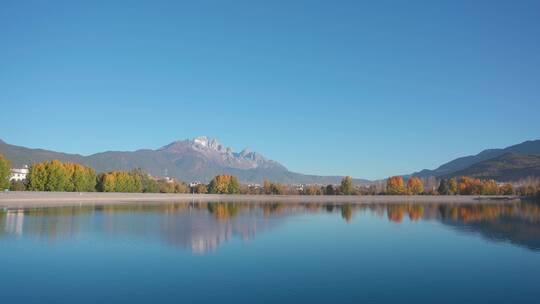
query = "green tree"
{"x": 17, "y": 186}
{"x": 273, "y": 188}
{"x": 166, "y": 186}
{"x": 37, "y": 177}
{"x": 5, "y": 172}
{"x": 507, "y": 189}
{"x": 277, "y": 189}
{"x": 57, "y": 177}
{"x": 83, "y": 179}
{"x": 181, "y": 187}
{"x": 107, "y": 182}
{"x": 346, "y": 185}
{"x": 148, "y": 184}
{"x": 224, "y": 184}
{"x": 490, "y": 187}
{"x": 234, "y": 186}
{"x": 452, "y": 186}
{"x": 267, "y": 187}
{"x": 131, "y": 183}
{"x": 200, "y": 189}
{"x": 329, "y": 190}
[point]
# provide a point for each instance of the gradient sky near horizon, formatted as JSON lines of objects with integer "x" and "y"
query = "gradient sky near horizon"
{"x": 360, "y": 88}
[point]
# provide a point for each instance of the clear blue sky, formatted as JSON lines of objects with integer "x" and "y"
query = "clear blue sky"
{"x": 325, "y": 87}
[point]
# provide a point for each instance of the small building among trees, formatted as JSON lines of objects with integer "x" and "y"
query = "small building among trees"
{"x": 18, "y": 174}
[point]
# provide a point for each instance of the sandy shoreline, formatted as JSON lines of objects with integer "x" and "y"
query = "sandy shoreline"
{"x": 50, "y": 199}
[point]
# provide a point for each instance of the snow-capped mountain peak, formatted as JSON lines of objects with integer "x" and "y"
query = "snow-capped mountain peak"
{"x": 211, "y": 149}
{"x": 204, "y": 141}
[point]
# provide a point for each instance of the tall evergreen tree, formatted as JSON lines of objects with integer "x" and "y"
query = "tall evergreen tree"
{"x": 444, "y": 187}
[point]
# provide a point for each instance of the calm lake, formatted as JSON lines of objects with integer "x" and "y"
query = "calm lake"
{"x": 268, "y": 253}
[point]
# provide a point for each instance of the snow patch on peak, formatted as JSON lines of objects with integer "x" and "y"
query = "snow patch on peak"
{"x": 206, "y": 142}
{"x": 201, "y": 140}
{"x": 245, "y": 152}
{"x": 210, "y": 149}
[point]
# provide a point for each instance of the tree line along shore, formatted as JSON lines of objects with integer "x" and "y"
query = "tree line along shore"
{"x": 72, "y": 177}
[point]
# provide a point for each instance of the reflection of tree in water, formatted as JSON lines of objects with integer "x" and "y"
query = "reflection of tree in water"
{"x": 396, "y": 212}
{"x": 416, "y": 212}
{"x": 272, "y": 209}
{"x": 224, "y": 211}
{"x": 347, "y": 212}
{"x": 518, "y": 224}
{"x": 203, "y": 227}
{"x": 504, "y": 229}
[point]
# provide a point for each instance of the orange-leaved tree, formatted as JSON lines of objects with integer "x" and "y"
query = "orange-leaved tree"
{"x": 415, "y": 186}
{"x": 395, "y": 185}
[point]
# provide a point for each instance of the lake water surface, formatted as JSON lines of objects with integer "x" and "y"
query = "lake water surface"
{"x": 268, "y": 253}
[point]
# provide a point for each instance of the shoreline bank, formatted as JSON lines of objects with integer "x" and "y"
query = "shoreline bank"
{"x": 29, "y": 199}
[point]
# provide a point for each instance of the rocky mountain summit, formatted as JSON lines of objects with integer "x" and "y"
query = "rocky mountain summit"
{"x": 197, "y": 159}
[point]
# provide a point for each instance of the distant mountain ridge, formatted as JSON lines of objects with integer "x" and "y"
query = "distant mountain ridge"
{"x": 460, "y": 165}
{"x": 507, "y": 167}
{"x": 197, "y": 159}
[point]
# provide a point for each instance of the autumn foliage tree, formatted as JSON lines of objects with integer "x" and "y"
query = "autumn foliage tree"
{"x": 273, "y": 188}
{"x": 58, "y": 176}
{"x": 224, "y": 184}
{"x": 181, "y": 187}
{"x": 200, "y": 189}
{"x": 475, "y": 186}
{"x": 166, "y": 186}
{"x": 506, "y": 189}
{"x": 489, "y": 187}
{"x": 312, "y": 190}
{"x": 415, "y": 186}
{"x": 395, "y": 185}
{"x": 469, "y": 186}
{"x": 452, "y": 186}
{"x": 119, "y": 181}
{"x": 81, "y": 178}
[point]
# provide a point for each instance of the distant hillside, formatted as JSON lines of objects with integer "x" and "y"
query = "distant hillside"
{"x": 198, "y": 159}
{"x": 507, "y": 167}
{"x": 19, "y": 156}
{"x": 462, "y": 163}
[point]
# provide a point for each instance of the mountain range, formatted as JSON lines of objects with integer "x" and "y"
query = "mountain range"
{"x": 197, "y": 159}
{"x": 507, "y": 164}
{"x": 201, "y": 158}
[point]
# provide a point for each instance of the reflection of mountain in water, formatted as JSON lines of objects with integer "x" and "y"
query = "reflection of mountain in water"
{"x": 203, "y": 227}
{"x": 200, "y": 228}
{"x": 505, "y": 229}
{"x": 200, "y": 231}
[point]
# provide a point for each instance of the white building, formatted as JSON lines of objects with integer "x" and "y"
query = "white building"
{"x": 194, "y": 184}
{"x": 19, "y": 174}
